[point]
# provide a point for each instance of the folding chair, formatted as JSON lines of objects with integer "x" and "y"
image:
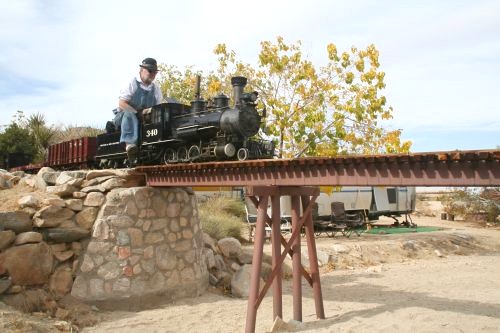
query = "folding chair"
{"x": 352, "y": 222}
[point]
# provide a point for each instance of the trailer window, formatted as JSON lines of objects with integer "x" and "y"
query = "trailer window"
{"x": 391, "y": 195}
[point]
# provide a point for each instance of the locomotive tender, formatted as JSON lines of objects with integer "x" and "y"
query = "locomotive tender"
{"x": 203, "y": 131}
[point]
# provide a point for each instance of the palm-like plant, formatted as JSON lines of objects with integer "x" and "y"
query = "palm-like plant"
{"x": 42, "y": 133}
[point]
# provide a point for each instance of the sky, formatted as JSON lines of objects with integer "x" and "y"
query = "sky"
{"x": 69, "y": 59}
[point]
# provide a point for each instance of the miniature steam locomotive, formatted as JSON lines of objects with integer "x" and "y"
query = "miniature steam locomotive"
{"x": 203, "y": 131}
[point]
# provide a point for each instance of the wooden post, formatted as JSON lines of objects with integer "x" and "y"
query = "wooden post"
{"x": 256, "y": 264}
{"x": 296, "y": 261}
{"x": 259, "y": 195}
{"x": 313, "y": 262}
{"x": 276, "y": 254}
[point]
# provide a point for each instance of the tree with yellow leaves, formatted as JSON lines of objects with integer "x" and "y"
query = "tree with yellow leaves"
{"x": 334, "y": 109}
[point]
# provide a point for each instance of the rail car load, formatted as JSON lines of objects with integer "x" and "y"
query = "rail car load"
{"x": 203, "y": 131}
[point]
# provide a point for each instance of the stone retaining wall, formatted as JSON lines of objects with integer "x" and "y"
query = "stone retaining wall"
{"x": 144, "y": 241}
{"x": 101, "y": 235}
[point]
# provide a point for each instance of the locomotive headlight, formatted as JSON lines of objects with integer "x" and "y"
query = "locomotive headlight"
{"x": 250, "y": 97}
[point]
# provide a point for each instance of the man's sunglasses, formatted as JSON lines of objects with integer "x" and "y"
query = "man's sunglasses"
{"x": 151, "y": 71}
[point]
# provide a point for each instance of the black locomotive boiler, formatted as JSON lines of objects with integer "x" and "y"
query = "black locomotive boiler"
{"x": 203, "y": 131}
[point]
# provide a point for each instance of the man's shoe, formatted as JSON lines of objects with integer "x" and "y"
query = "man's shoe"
{"x": 132, "y": 150}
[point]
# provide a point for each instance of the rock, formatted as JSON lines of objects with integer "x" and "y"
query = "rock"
{"x": 50, "y": 177}
{"x": 62, "y": 191}
{"x": 29, "y": 200}
{"x": 153, "y": 238}
{"x": 165, "y": 259}
{"x": 210, "y": 258}
{"x": 438, "y": 253}
{"x": 6, "y": 238}
{"x": 63, "y": 256}
{"x": 208, "y": 241}
{"x": 28, "y": 237}
{"x": 96, "y": 188}
{"x": 77, "y": 182}
{"x": 60, "y": 235}
{"x": 87, "y": 264}
{"x": 96, "y": 181}
{"x": 64, "y": 178}
{"x": 19, "y": 174}
{"x": 113, "y": 183}
{"x": 79, "y": 174}
{"x": 86, "y": 217}
{"x": 4, "y": 285}
{"x": 41, "y": 184}
{"x": 62, "y": 314}
{"x": 54, "y": 201}
{"x": 79, "y": 289}
{"x": 408, "y": 245}
{"x": 280, "y": 326}
{"x": 120, "y": 221}
{"x": 99, "y": 247}
{"x": 96, "y": 288}
{"x": 15, "y": 221}
{"x": 220, "y": 265}
{"x": 230, "y": 247}
{"x": 58, "y": 247}
{"x": 123, "y": 284}
{"x": 122, "y": 238}
{"x": 52, "y": 216}
{"x": 79, "y": 195}
{"x": 94, "y": 199}
{"x": 136, "y": 237}
{"x": 74, "y": 204}
{"x": 99, "y": 173}
{"x": 173, "y": 209}
{"x": 123, "y": 252}
{"x": 245, "y": 257}
{"x": 339, "y": 248}
{"x": 240, "y": 282}
{"x": 109, "y": 271}
{"x": 29, "y": 180}
{"x": 4, "y": 183}
{"x": 212, "y": 279}
{"x": 323, "y": 258}
{"x": 28, "y": 264}
{"x": 101, "y": 230}
{"x": 61, "y": 281}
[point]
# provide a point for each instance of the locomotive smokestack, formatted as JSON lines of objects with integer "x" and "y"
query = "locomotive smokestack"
{"x": 197, "y": 91}
{"x": 198, "y": 104}
{"x": 239, "y": 83}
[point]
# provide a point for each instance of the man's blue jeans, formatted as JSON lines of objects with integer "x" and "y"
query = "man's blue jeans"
{"x": 129, "y": 125}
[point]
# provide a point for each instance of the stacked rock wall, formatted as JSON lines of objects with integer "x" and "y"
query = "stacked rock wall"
{"x": 102, "y": 236}
{"x": 144, "y": 241}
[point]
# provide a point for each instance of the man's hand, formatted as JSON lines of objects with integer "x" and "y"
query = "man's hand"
{"x": 124, "y": 106}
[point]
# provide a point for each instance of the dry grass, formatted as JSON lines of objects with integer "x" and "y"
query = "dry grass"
{"x": 222, "y": 217}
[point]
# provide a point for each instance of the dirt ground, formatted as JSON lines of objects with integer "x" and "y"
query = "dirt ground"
{"x": 380, "y": 287}
{"x": 442, "y": 281}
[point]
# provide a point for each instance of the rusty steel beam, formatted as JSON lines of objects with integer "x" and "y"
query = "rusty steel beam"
{"x": 453, "y": 168}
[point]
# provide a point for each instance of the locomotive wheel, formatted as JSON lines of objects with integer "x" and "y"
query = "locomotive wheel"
{"x": 182, "y": 154}
{"x": 242, "y": 154}
{"x": 169, "y": 156}
{"x": 194, "y": 152}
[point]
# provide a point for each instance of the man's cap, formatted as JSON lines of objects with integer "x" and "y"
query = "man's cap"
{"x": 149, "y": 63}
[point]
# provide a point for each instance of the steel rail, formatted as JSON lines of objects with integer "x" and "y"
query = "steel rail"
{"x": 448, "y": 168}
